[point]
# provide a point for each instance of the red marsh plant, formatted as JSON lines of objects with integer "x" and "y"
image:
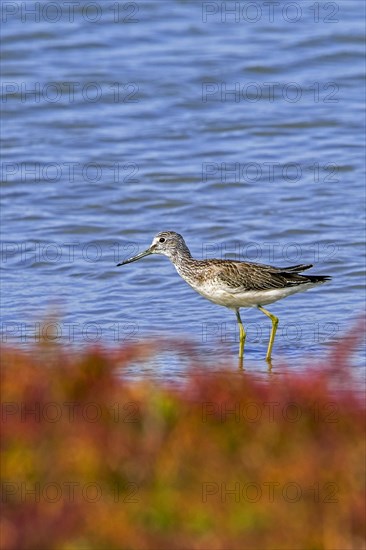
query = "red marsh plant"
{"x": 91, "y": 460}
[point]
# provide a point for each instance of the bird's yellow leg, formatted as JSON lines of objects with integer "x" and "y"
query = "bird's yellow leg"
{"x": 274, "y": 320}
{"x": 242, "y": 334}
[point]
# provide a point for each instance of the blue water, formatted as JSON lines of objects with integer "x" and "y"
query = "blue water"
{"x": 241, "y": 130}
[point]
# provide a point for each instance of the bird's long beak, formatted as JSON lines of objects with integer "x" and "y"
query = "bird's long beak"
{"x": 137, "y": 257}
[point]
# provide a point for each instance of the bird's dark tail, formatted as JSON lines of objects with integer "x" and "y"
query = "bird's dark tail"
{"x": 293, "y": 278}
{"x": 296, "y": 268}
{"x": 317, "y": 278}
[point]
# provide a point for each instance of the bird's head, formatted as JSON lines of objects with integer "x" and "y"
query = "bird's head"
{"x": 167, "y": 243}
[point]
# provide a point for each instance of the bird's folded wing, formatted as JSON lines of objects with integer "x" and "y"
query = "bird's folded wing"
{"x": 235, "y": 278}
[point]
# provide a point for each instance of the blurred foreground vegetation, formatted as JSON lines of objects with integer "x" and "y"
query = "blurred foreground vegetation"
{"x": 91, "y": 460}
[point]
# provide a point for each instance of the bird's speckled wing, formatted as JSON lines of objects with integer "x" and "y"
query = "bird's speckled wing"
{"x": 237, "y": 277}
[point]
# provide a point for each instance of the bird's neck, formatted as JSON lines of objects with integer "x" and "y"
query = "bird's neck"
{"x": 181, "y": 255}
{"x": 183, "y": 262}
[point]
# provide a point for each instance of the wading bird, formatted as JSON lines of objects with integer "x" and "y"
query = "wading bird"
{"x": 233, "y": 284}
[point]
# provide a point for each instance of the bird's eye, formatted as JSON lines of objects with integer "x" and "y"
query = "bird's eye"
{"x": 161, "y": 240}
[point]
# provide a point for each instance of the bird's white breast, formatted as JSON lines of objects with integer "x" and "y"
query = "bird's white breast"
{"x": 246, "y": 298}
